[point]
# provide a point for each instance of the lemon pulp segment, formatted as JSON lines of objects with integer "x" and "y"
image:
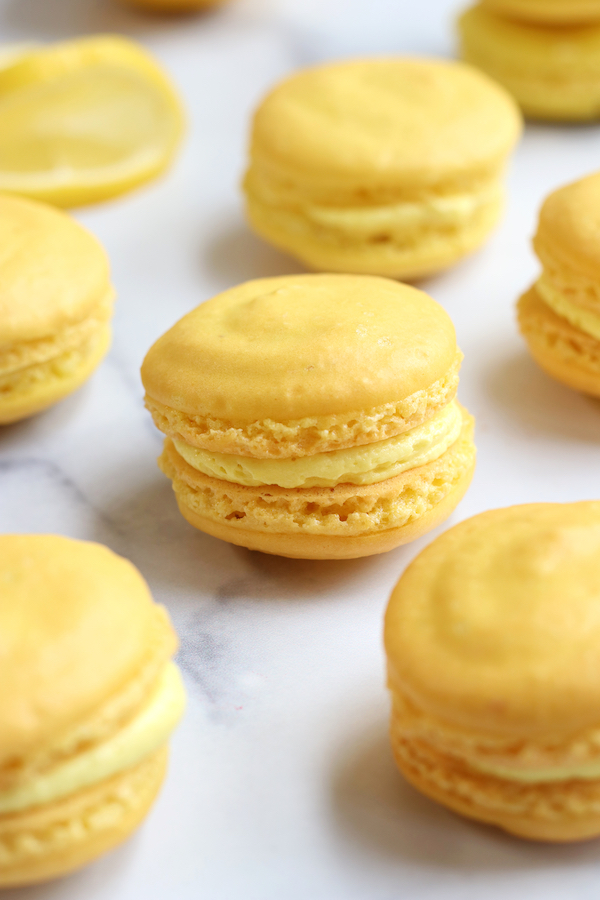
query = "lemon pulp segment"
{"x": 85, "y": 120}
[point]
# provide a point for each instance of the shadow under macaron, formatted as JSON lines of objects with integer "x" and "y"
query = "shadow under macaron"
{"x": 55, "y": 417}
{"x": 540, "y": 404}
{"x": 146, "y": 526}
{"x": 100, "y": 878}
{"x": 236, "y": 255}
{"x": 379, "y": 812}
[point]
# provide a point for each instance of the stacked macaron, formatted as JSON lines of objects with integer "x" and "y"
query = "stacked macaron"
{"x": 545, "y": 52}
{"x": 310, "y": 416}
{"x": 493, "y": 644}
{"x": 560, "y": 315}
{"x": 382, "y": 166}
{"x": 55, "y": 305}
{"x": 89, "y": 699}
{"x": 313, "y": 416}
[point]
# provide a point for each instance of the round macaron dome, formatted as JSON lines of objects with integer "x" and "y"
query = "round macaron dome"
{"x": 493, "y": 645}
{"x": 552, "y": 71}
{"x": 313, "y": 416}
{"x": 89, "y": 699}
{"x": 559, "y": 316}
{"x": 387, "y": 167}
{"x": 547, "y": 12}
{"x": 56, "y": 301}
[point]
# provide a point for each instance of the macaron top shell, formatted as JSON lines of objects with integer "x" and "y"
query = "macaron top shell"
{"x": 297, "y": 346}
{"x": 403, "y": 123}
{"x": 495, "y": 627}
{"x": 569, "y": 225}
{"x": 76, "y": 624}
{"x": 52, "y": 271}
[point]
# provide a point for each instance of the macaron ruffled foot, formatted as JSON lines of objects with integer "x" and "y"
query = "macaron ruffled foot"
{"x": 56, "y": 302}
{"x": 313, "y": 416}
{"x": 384, "y": 167}
{"x": 551, "y": 66}
{"x": 559, "y": 316}
{"x": 89, "y": 699}
{"x": 493, "y": 645}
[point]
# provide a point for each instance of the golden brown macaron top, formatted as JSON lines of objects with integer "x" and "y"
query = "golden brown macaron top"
{"x": 569, "y": 227}
{"x": 53, "y": 273}
{"x": 78, "y": 628}
{"x": 303, "y": 345}
{"x": 495, "y": 627}
{"x": 384, "y": 123}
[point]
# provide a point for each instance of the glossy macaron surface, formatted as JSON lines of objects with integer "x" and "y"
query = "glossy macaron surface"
{"x": 307, "y": 345}
{"x": 496, "y": 625}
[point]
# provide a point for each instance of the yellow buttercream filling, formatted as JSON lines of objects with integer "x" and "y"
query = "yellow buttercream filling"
{"x": 148, "y": 731}
{"x": 369, "y": 464}
{"x": 429, "y": 212}
{"x": 581, "y": 318}
{"x": 586, "y": 771}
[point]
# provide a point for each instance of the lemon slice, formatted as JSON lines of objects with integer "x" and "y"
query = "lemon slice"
{"x": 85, "y": 120}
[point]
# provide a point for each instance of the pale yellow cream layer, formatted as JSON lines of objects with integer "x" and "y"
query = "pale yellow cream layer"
{"x": 581, "y": 318}
{"x": 431, "y": 212}
{"x": 368, "y": 464}
{"x": 589, "y": 771}
{"x": 148, "y": 731}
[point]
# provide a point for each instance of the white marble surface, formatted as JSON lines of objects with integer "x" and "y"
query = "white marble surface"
{"x": 281, "y": 784}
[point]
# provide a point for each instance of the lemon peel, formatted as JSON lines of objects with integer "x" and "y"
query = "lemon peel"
{"x": 85, "y": 120}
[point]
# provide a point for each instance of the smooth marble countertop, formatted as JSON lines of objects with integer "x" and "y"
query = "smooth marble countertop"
{"x": 281, "y": 784}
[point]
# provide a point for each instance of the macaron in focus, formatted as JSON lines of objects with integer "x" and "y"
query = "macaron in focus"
{"x": 493, "y": 644}
{"x": 384, "y": 166}
{"x": 553, "y": 71}
{"x": 312, "y": 416}
{"x": 56, "y": 301}
{"x": 559, "y": 316}
{"x": 89, "y": 699}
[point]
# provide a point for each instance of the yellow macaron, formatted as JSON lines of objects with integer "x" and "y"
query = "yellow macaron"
{"x": 56, "y": 301}
{"x": 552, "y": 71}
{"x": 547, "y": 12}
{"x": 384, "y": 166}
{"x": 313, "y": 416}
{"x": 560, "y": 315}
{"x": 89, "y": 698}
{"x": 493, "y": 645}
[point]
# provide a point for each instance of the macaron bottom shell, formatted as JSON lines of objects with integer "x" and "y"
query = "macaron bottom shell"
{"x": 57, "y": 838}
{"x": 553, "y": 72}
{"x": 563, "y": 351}
{"x": 34, "y": 389}
{"x": 555, "y": 812}
{"x": 425, "y": 251}
{"x": 313, "y": 523}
